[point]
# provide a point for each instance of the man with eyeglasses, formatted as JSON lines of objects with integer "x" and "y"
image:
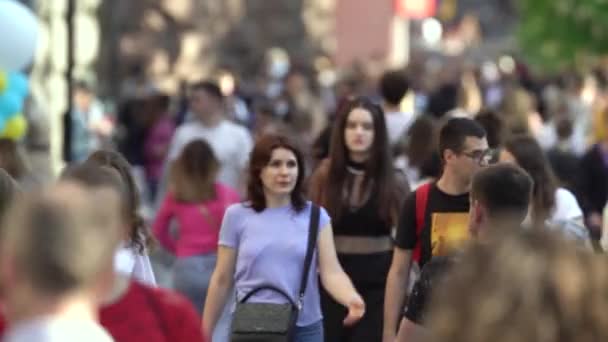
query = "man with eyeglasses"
{"x": 442, "y": 224}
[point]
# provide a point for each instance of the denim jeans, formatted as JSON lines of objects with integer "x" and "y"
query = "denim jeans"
{"x": 191, "y": 276}
{"x": 310, "y": 333}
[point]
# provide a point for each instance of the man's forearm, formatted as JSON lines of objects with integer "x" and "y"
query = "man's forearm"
{"x": 393, "y": 302}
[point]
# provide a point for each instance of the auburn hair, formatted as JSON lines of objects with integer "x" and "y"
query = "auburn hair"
{"x": 259, "y": 159}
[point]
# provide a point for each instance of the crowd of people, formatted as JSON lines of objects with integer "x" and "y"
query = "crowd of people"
{"x": 465, "y": 211}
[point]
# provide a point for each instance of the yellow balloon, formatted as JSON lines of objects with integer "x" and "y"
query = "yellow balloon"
{"x": 15, "y": 127}
{"x": 3, "y": 81}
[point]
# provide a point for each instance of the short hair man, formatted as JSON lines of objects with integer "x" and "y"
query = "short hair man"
{"x": 500, "y": 197}
{"x": 231, "y": 142}
{"x": 56, "y": 246}
{"x": 464, "y": 151}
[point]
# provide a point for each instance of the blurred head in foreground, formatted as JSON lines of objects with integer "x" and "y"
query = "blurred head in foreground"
{"x": 529, "y": 287}
{"x": 500, "y": 196}
{"x": 56, "y": 248}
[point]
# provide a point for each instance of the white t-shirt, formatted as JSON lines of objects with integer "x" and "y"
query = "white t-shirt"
{"x": 230, "y": 142}
{"x": 397, "y": 123}
{"x": 566, "y": 206}
{"x": 51, "y": 329}
{"x": 566, "y": 217}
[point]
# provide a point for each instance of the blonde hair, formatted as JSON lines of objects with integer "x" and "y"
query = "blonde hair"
{"x": 528, "y": 287}
{"x": 515, "y": 109}
{"x": 62, "y": 240}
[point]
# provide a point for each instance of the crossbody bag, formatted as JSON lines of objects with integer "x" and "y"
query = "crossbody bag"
{"x": 257, "y": 322}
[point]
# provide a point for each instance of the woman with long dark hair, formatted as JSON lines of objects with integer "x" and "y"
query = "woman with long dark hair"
{"x": 551, "y": 205}
{"x": 264, "y": 240}
{"x": 358, "y": 185}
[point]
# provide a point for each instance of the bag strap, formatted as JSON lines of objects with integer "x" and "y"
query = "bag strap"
{"x": 268, "y": 287}
{"x": 206, "y": 213}
{"x": 211, "y": 221}
{"x": 313, "y": 230}
{"x": 422, "y": 197}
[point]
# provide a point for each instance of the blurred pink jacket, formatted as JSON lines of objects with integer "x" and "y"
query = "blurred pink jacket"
{"x": 198, "y": 223}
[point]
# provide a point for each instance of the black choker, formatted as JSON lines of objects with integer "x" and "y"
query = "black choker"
{"x": 355, "y": 167}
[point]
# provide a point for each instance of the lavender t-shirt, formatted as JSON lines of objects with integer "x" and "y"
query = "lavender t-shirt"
{"x": 271, "y": 246}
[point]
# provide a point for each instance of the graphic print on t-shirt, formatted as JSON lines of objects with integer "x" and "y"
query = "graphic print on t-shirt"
{"x": 448, "y": 232}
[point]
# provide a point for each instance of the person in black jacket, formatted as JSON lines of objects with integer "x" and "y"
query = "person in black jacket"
{"x": 594, "y": 186}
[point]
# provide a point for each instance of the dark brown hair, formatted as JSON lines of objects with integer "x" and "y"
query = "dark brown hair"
{"x": 494, "y": 126}
{"x": 328, "y": 183}
{"x": 259, "y": 159}
{"x": 530, "y": 157}
{"x": 11, "y": 160}
{"x": 422, "y": 139}
{"x": 194, "y": 172}
{"x": 209, "y": 87}
{"x": 140, "y": 237}
{"x": 504, "y": 190}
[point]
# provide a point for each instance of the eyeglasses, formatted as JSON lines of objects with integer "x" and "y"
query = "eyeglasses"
{"x": 483, "y": 158}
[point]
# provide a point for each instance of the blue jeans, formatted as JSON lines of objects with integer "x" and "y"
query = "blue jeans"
{"x": 191, "y": 276}
{"x": 310, "y": 333}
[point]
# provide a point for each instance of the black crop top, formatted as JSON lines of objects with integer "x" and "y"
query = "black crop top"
{"x": 362, "y": 221}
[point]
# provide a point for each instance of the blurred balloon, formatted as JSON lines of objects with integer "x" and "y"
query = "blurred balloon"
{"x": 10, "y": 103}
{"x": 15, "y": 128}
{"x": 19, "y": 32}
{"x": 18, "y": 83}
{"x": 3, "y": 81}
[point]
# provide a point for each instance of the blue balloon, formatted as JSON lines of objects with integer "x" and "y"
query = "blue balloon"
{"x": 10, "y": 104}
{"x": 18, "y": 83}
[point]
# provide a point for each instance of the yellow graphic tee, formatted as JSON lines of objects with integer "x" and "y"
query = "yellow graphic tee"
{"x": 449, "y": 231}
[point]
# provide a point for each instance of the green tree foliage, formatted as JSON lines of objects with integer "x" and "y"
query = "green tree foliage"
{"x": 561, "y": 33}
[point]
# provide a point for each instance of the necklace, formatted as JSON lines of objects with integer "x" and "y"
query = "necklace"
{"x": 355, "y": 168}
{"x": 355, "y": 171}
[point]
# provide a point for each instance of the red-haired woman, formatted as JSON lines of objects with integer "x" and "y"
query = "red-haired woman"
{"x": 264, "y": 240}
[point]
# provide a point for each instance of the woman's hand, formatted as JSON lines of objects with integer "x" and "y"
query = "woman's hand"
{"x": 356, "y": 310}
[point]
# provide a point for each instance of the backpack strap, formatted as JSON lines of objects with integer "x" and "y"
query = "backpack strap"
{"x": 422, "y": 198}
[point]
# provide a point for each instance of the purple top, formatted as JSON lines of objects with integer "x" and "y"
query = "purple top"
{"x": 270, "y": 247}
{"x": 156, "y": 146}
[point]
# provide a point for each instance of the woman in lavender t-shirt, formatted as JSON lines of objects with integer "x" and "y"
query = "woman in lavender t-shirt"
{"x": 263, "y": 242}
